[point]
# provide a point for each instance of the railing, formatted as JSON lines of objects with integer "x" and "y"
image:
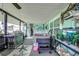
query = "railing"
{"x": 68, "y": 47}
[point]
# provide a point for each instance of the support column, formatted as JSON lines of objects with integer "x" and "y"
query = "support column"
{"x": 53, "y": 27}
{"x": 20, "y": 25}
{"x": 43, "y": 27}
{"x": 61, "y": 25}
{"x": 5, "y": 30}
{"x": 5, "y": 24}
{"x": 31, "y": 28}
{"x": 26, "y": 29}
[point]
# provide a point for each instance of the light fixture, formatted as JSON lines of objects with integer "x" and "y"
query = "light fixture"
{"x": 17, "y": 5}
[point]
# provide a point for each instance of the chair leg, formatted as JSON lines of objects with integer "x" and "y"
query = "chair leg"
{"x": 50, "y": 52}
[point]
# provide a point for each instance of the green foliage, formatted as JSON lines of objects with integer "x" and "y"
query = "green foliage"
{"x": 76, "y": 37}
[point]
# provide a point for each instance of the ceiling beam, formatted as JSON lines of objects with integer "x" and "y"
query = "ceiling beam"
{"x": 11, "y": 15}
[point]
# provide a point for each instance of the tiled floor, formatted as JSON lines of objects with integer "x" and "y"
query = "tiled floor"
{"x": 6, "y": 52}
{"x": 15, "y": 52}
{"x": 22, "y": 52}
{"x": 43, "y": 52}
{"x": 26, "y": 51}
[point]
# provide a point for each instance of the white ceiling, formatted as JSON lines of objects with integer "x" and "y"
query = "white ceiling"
{"x": 41, "y": 12}
{"x": 36, "y": 12}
